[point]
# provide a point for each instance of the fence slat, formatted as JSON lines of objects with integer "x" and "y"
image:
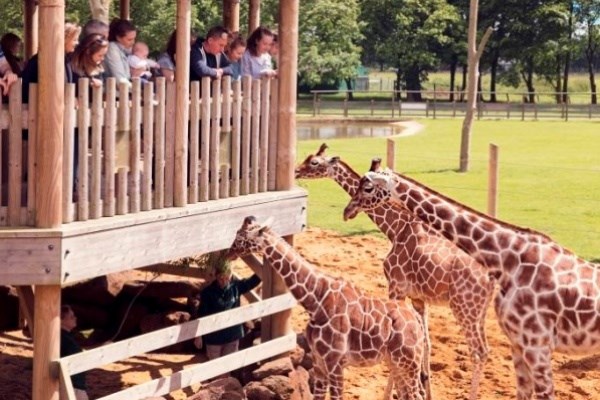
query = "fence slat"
{"x": 205, "y": 139}
{"x": 110, "y": 123}
{"x": 245, "y": 144}
{"x": 15, "y": 156}
{"x": 170, "y": 144}
{"x": 236, "y": 136}
{"x": 214, "y": 139}
{"x": 148, "y": 138}
{"x": 194, "y": 141}
{"x": 273, "y": 121}
{"x": 264, "y": 134}
{"x": 31, "y": 146}
{"x": 96, "y": 164}
{"x": 83, "y": 125}
{"x": 255, "y": 139}
{"x": 159, "y": 145}
{"x": 135, "y": 147}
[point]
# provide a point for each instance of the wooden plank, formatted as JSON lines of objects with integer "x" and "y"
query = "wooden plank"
{"x": 30, "y": 261}
{"x": 236, "y": 138}
{"x": 169, "y": 144}
{"x": 98, "y": 253}
{"x": 135, "y": 147}
{"x": 67, "y": 391}
{"x": 264, "y": 134}
{"x": 273, "y": 121}
{"x": 205, "y": 140}
{"x": 68, "y": 151}
{"x": 246, "y": 128}
{"x": 122, "y": 198}
{"x": 158, "y": 339}
{"x": 159, "y": 145}
{"x": 255, "y": 135}
{"x": 110, "y": 124}
{"x": 83, "y": 122}
{"x": 26, "y": 301}
{"x": 194, "y": 141}
{"x": 207, "y": 370}
{"x": 177, "y": 270}
{"x": 214, "y": 139}
{"x": 31, "y": 158}
{"x": 96, "y": 145}
{"x": 148, "y": 121}
{"x": 15, "y": 156}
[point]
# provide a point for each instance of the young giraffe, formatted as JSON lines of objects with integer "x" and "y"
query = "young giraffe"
{"x": 422, "y": 264}
{"x": 346, "y": 327}
{"x": 549, "y": 298}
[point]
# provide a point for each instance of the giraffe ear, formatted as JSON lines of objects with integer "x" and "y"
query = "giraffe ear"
{"x": 267, "y": 223}
{"x": 334, "y": 159}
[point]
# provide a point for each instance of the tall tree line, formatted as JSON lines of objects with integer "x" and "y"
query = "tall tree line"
{"x": 542, "y": 39}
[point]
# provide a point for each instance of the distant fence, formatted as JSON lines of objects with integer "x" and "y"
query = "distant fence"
{"x": 447, "y": 104}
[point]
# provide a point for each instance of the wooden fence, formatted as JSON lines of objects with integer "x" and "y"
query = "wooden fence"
{"x": 446, "y": 104}
{"x": 119, "y": 156}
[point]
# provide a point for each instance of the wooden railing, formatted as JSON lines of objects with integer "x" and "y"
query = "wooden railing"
{"x": 119, "y": 156}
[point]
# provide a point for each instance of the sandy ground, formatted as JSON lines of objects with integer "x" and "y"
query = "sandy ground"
{"x": 357, "y": 258}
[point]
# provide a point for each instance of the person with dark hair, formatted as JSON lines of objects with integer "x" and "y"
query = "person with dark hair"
{"x": 69, "y": 346}
{"x": 221, "y": 295}
{"x": 11, "y": 46}
{"x": 206, "y": 55}
{"x": 121, "y": 37}
{"x": 234, "y": 52}
{"x": 86, "y": 61}
{"x": 166, "y": 60}
{"x": 95, "y": 26}
{"x": 256, "y": 61}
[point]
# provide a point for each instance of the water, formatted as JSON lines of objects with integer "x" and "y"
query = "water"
{"x": 340, "y": 130}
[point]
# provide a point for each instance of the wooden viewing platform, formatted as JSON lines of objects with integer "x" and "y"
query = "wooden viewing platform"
{"x": 118, "y": 178}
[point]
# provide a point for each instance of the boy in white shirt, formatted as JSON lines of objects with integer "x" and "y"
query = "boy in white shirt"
{"x": 139, "y": 63}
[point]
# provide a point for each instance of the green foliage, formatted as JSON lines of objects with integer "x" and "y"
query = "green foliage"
{"x": 549, "y": 174}
{"x": 329, "y": 36}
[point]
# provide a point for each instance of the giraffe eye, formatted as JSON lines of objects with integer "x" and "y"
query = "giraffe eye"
{"x": 314, "y": 163}
{"x": 369, "y": 188}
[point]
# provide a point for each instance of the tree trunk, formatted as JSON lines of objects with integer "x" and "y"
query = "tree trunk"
{"x": 453, "y": 66}
{"x": 100, "y": 9}
{"x": 559, "y": 96}
{"x": 493, "y": 76}
{"x": 565, "y": 82}
{"x": 398, "y": 84}
{"x": 592, "y": 78}
{"x": 464, "y": 83}
{"x": 527, "y": 75}
{"x": 413, "y": 84}
{"x": 474, "y": 55}
{"x": 349, "y": 87}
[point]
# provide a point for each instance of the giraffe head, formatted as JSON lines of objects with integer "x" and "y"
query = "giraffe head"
{"x": 372, "y": 191}
{"x": 250, "y": 238}
{"x": 317, "y": 165}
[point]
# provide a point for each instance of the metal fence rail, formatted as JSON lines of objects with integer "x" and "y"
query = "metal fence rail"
{"x": 446, "y": 104}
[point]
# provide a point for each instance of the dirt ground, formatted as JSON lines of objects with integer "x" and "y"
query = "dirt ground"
{"x": 359, "y": 259}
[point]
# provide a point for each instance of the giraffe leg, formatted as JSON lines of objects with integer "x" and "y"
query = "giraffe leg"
{"x": 538, "y": 359}
{"x": 336, "y": 382}
{"x": 389, "y": 387}
{"x": 524, "y": 377}
{"x": 408, "y": 384}
{"x": 320, "y": 377}
{"x": 421, "y": 308}
{"x": 472, "y": 323}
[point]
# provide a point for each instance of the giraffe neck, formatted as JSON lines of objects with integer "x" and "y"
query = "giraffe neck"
{"x": 388, "y": 218}
{"x": 305, "y": 283}
{"x": 477, "y": 234}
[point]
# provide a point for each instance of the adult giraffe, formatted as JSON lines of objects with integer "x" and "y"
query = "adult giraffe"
{"x": 421, "y": 265}
{"x": 345, "y": 327}
{"x": 549, "y": 299}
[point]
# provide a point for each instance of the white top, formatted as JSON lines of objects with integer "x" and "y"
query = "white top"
{"x": 256, "y": 66}
{"x": 141, "y": 63}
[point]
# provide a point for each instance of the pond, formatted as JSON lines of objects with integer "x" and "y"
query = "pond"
{"x": 341, "y": 130}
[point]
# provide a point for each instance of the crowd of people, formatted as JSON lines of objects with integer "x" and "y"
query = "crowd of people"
{"x": 98, "y": 51}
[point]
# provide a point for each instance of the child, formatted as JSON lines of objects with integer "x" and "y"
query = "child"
{"x": 139, "y": 63}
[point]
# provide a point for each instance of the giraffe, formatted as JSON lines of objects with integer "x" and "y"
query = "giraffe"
{"x": 345, "y": 327}
{"x": 549, "y": 298}
{"x": 422, "y": 264}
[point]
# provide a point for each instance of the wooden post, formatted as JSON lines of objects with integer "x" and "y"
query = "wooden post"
{"x": 254, "y": 16}
{"x": 286, "y": 154}
{"x": 31, "y": 28}
{"x": 493, "y": 181}
{"x": 184, "y": 18}
{"x": 231, "y": 15}
{"x": 124, "y": 9}
{"x": 48, "y": 202}
{"x": 391, "y": 154}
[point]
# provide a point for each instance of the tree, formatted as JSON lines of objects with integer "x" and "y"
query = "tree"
{"x": 588, "y": 15}
{"x": 100, "y": 9}
{"x": 410, "y": 35}
{"x": 475, "y": 53}
{"x": 329, "y": 33}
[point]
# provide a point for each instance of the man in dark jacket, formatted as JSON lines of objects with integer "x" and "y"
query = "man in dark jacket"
{"x": 69, "y": 346}
{"x": 206, "y": 55}
{"x": 221, "y": 295}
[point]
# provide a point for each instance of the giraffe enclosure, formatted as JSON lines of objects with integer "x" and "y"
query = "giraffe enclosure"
{"x": 357, "y": 258}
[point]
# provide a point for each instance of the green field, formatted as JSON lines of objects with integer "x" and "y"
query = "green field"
{"x": 549, "y": 175}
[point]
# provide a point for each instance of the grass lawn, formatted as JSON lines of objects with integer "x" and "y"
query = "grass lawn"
{"x": 549, "y": 175}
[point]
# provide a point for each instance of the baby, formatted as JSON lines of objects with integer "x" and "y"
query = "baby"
{"x": 139, "y": 63}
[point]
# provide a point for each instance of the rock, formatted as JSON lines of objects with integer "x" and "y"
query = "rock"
{"x": 281, "y": 366}
{"x": 280, "y": 385}
{"x": 102, "y": 290}
{"x": 220, "y": 389}
{"x": 299, "y": 382}
{"x": 256, "y": 391}
{"x": 162, "y": 289}
{"x": 297, "y": 355}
